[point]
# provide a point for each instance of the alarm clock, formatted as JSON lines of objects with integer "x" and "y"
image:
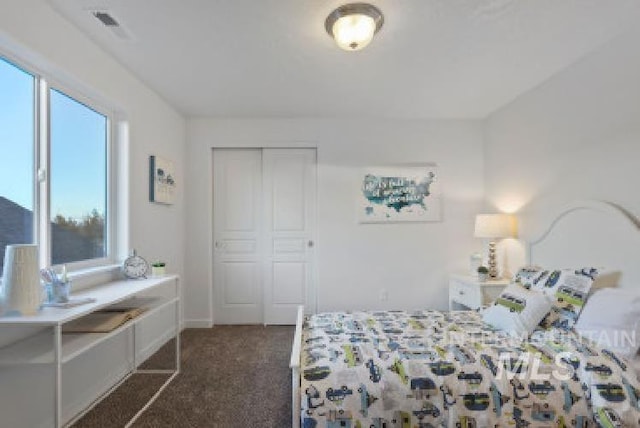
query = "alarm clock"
{"x": 135, "y": 267}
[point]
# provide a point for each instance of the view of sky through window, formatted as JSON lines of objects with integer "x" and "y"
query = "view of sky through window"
{"x": 78, "y": 170}
{"x": 78, "y": 179}
{"x": 78, "y": 158}
{"x": 16, "y": 135}
{"x": 17, "y": 159}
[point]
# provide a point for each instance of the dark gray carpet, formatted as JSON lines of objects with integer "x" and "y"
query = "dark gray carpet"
{"x": 232, "y": 376}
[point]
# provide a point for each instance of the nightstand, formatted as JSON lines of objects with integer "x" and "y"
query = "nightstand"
{"x": 467, "y": 292}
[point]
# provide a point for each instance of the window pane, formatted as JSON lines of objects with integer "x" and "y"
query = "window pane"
{"x": 16, "y": 162}
{"x": 78, "y": 180}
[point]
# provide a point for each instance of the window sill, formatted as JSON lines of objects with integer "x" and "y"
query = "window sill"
{"x": 87, "y": 277}
{"x": 78, "y": 274}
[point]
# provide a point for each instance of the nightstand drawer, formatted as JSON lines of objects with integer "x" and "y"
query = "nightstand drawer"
{"x": 467, "y": 291}
{"x": 465, "y": 294}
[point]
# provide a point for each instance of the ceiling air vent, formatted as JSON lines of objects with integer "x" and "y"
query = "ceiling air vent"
{"x": 111, "y": 23}
{"x": 106, "y": 19}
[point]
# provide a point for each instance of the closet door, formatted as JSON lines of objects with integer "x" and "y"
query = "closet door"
{"x": 237, "y": 243}
{"x": 289, "y": 183}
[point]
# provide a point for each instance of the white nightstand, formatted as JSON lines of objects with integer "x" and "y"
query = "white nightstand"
{"x": 467, "y": 292}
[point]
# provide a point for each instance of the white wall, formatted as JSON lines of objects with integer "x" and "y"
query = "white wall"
{"x": 355, "y": 261}
{"x": 575, "y": 137}
{"x": 35, "y": 35}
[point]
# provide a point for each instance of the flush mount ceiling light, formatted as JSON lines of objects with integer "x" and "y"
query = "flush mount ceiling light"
{"x": 353, "y": 25}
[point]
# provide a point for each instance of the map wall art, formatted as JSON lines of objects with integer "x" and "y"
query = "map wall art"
{"x": 399, "y": 194}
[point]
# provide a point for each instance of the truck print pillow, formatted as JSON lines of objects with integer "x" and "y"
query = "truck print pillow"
{"x": 517, "y": 310}
{"x": 528, "y": 276}
{"x": 568, "y": 290}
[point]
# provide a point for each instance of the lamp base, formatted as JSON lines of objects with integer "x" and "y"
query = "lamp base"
{"x": 493, "y": 269}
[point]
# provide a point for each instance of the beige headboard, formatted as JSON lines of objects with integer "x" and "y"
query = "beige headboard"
{"x": 591, "y": 233}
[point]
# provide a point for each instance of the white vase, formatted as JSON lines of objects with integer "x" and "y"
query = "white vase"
{"x": 475, "y": 261}
{"x": 22, "y": 291}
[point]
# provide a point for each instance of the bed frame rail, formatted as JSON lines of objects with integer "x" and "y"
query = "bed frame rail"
{"x": 294, "y": 365}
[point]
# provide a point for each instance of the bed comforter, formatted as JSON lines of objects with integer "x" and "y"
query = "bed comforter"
{"x": 432, "y": 369}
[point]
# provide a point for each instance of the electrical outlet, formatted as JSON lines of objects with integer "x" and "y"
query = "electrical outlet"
{"x": 383, "y": 295}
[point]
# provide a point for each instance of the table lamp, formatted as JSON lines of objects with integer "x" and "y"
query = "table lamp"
{"x": 492, "y": 227}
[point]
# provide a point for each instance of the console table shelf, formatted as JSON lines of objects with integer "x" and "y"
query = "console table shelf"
{"x": 105, "y": 294}
{"x": 38, "y": 349}
{"x": 51, "y": 347}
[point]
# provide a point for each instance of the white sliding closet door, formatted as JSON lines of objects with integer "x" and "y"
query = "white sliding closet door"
{"x": 289, "y": 226}
{"x": 264, "y": 224}
{"x": 237, "y": 240}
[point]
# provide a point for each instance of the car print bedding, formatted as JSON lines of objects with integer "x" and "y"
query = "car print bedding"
{"x": 432, "y": 369}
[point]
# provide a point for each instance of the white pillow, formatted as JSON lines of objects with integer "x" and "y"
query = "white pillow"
{"x": 517, "y": 310}
{"x": 611, "y": 318}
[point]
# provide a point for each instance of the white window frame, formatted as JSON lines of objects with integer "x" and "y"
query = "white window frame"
{"x": 42, "y": 143}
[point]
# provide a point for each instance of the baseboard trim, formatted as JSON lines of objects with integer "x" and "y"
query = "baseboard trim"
{"x": 202, "y": 323}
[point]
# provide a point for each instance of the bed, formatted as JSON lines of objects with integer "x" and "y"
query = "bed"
{"x": 429, "y": 368}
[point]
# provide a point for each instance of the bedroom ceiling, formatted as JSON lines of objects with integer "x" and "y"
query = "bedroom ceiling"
{"x": 273, "y": 58}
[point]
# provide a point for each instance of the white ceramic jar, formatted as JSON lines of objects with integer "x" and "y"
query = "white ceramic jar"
{"x": 22, "y": 291}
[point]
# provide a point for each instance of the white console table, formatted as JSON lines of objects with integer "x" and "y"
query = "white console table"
{"x": 51, "y": 346}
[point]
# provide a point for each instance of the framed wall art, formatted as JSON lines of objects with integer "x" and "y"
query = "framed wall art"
{"x": 162, "y": 184}
{"x": 399, "y": 194}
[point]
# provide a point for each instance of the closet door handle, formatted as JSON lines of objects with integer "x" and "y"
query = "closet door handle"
{"x": 310, "y": 244}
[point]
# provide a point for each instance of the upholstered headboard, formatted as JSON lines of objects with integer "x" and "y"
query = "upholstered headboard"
{"x": 591, "y": 233}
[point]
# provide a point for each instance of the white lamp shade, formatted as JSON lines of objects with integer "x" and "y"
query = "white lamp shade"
{"x": 495, "y": 226}
{"x": 354, "y": 32}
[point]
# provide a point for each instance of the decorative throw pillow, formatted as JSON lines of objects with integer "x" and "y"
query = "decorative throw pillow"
{"x": 517, "y": 310}
{"x": 611, "y": 318}
{"x": 568, "y": 290}
{"x": 528, "y": 276}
